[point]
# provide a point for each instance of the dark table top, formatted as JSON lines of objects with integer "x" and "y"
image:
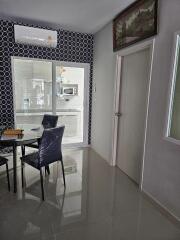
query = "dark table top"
{"x": 26, "y": 138}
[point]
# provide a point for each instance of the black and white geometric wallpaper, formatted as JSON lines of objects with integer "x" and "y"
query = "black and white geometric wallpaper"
{"x": 72, "y": 47}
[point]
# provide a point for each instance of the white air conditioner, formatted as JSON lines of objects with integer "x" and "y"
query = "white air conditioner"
{"x": 35, "y": 36}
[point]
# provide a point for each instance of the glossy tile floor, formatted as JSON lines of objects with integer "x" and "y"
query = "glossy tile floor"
{"x": 100, "y": 203}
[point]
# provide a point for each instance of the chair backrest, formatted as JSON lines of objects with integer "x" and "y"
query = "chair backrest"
{"x": 49, "y": 121}
{"x": 50, "y": 146}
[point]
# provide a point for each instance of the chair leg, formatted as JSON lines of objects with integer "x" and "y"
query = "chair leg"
{"x": 62, "y": 164}
{"x": 47, "y": 170}
{"x": 23, "y": 151}
{"x": 7, "y": 172}
{"x": 42, "y": 186}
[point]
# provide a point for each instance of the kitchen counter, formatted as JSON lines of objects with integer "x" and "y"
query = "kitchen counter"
{"x": 44, "y": 111}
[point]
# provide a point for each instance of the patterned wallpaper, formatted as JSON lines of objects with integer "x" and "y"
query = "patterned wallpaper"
{"x": 72, "y": 47}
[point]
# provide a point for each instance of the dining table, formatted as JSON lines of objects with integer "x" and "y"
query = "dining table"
{"x": 15, "y": 141}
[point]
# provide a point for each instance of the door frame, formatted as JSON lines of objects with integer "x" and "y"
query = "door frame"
{"x": 117, "y": 95}
{"x": 55, "y": 63}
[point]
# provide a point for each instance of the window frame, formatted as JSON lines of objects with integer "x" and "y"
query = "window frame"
{"x": 172, "y": 85}
{"x": 86, "y": 111}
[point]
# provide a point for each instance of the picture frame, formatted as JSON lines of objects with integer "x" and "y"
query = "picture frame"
{"x": 129, "y": 26}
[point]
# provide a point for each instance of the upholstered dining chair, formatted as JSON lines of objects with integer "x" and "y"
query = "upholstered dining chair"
{"x": 49, "y": 121}
{"x": 4, "y": 161}
{"x": 49, "y": 151}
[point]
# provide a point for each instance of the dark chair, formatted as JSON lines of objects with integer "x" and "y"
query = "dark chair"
{"x": 4, "y": 161}
{"x": 49, "y": 121}
{"x": 49, "y": 152}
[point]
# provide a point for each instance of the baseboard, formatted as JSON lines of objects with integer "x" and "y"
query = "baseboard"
{"x": 163, "y": 209}
{"x": 98, "y": 154}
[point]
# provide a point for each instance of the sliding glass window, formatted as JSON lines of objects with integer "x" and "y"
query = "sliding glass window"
{"x": 48, "y": 87}
{"x": 33, "y": 92}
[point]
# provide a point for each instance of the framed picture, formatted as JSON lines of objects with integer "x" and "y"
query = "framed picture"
{"x": 135, "y": 23}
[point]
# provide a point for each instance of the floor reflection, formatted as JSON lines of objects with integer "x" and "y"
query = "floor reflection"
{"x": 100, "y": 202}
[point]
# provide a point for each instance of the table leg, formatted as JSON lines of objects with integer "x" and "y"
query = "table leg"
{"x": 15, "y": 167}
{"x": 22, "y": 165}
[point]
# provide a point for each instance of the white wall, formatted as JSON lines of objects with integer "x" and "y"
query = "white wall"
{"x": 162, "y": 159}
{"x": 104, "y": 69}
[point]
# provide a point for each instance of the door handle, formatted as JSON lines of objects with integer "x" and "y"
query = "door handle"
{"x": 118, "y": 114}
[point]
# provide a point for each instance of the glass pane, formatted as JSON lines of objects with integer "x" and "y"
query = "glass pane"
{"x": 175, "y": 120}
{"x": 69, "y": 102}
{"x": 33, "y": 92}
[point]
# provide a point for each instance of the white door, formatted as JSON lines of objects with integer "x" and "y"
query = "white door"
{"x": 133, "y": 108}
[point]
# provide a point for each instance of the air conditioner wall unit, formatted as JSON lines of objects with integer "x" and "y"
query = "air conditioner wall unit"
{"x": 35, "y": 36}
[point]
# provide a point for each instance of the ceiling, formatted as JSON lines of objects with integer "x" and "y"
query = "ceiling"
{"x": 77, "y": 15}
